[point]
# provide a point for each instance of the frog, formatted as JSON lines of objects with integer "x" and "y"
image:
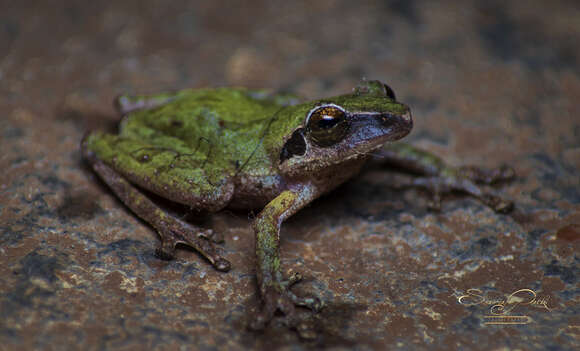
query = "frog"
{"x": 213, "y": 149}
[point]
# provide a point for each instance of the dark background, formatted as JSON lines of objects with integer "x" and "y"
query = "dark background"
{"x": 488, "y": 83}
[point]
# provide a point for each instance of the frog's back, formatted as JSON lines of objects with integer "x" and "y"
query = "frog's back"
{"x": 219, "y": 128}
{"x": 190, "y": 110}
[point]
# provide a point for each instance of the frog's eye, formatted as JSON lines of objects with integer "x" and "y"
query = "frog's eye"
{"x": 390, "y": 92}
{"x": 327, "y": 125}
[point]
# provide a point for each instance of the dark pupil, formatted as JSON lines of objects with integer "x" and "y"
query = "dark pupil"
{"x": 327, "y": 122}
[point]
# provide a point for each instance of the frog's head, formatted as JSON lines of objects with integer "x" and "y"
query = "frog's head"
{"x": 344, "y": 127}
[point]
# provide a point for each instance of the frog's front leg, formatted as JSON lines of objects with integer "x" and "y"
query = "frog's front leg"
{"x": 274, "y": 288}
{"x": 438, "y": 177}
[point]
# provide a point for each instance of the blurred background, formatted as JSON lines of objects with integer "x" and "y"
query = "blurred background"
{"x": 488, "y": 82}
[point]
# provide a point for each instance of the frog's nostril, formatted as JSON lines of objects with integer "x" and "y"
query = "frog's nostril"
{"x": 404, "y": 119}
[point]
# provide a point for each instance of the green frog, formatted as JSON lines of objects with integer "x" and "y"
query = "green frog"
{"x": 235, "y": 148}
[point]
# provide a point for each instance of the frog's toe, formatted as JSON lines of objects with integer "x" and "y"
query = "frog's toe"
{"x": 166, "y": 251}
{"x": 212, "y": 236}
{"x": 306, "y": 330}
{"x": 222, "y": 265}
{"x": 312, "y": 302}
{"x": 285, "y": 301}
{"x": 265, "y": 315}
{"x": 480, "y": 175}
{"x": 434, "y": 203}
{"x": 504, "y": 173}
{"x": 295, "y": 277}
{"x": 498, "y": 204}
{"x": 486, "y": 195}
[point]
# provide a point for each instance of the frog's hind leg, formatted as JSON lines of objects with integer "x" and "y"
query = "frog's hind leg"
{"x": 172, "y": 230}
{"x": 438, "y": 178}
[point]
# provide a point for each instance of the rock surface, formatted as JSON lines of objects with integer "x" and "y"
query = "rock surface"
{"x": 488, "y": 83}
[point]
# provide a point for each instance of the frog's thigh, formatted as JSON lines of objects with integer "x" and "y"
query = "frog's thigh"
{"x": 172, "y": 230}
{"x": 172, "y": 175}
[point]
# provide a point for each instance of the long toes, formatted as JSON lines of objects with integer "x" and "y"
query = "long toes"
{"x": 285, "y": 301}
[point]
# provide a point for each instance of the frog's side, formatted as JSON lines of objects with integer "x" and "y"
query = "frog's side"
{"x": 236, "y": 148}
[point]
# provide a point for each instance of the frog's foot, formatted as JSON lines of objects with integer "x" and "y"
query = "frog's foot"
{"x": 439, "y": 178}
{"x": 175, "y": 232}
{"x": 171, "y": 229}
{"x": 277, "y": 296}
{"x": 438, "y": 185}
{"x": 212, "y": 236}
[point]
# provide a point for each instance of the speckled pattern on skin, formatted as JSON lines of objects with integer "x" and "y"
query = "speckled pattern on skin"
{"x": 488, "y": 83}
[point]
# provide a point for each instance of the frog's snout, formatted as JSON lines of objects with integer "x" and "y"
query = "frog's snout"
{"x": 398, "y": 125}
{"x": 407, "y": 117}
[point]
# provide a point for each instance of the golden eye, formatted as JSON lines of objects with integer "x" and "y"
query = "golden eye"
{"x": 327, "y": 125}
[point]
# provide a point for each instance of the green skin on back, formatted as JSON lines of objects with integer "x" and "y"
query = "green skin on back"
{"x": 221, "y": 148}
